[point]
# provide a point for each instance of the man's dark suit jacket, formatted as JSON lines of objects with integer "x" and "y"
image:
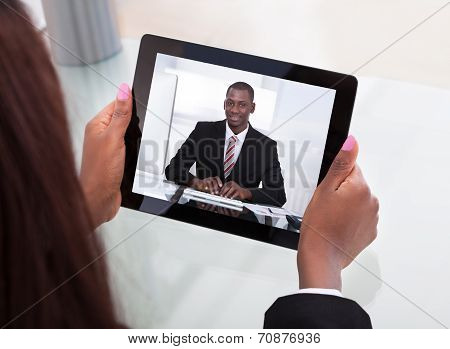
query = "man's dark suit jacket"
{"x": 307, "y": 310}
{"x": 257, "y": 162}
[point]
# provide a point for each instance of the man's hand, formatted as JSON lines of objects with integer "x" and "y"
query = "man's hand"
{"x": 104, "y": 157}
{"x": 210, "y": 185}
{"x": 340, "y": 221}
{"x": 232, "y": 190}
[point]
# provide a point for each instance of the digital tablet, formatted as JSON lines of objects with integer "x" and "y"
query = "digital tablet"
{"x": 231, "y": 141}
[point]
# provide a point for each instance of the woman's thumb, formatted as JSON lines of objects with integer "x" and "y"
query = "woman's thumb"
{"x": 122, "y": 110}
{"x": 343, "y": 164}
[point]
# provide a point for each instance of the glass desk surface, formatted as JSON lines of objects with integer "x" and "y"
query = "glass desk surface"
{"x": 168, "y": 274}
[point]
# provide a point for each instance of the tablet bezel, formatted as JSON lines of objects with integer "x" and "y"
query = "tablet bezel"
{"x": 344, "y": 85}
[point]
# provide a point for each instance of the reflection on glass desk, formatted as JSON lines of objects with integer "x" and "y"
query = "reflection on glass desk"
{"x": 166, "y": 190}
{"x": 160, "y": 282}
{"x": 245, "y": 213}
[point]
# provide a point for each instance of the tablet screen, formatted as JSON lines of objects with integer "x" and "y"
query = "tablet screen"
{"x": 232, "y": 142}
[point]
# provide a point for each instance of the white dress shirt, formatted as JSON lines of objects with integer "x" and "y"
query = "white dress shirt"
{"x": 240, "y": 141}
{"x": 326, "y": 291}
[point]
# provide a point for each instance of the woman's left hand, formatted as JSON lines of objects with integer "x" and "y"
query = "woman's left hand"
{"x": 103, "y": 160}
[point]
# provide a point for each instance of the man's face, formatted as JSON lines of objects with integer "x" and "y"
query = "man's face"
{"x": 238, "y": 107}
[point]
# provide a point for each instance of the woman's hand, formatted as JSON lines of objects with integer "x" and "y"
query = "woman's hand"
{"x": 103, "y": 160}
{"x": 340, "y": 221}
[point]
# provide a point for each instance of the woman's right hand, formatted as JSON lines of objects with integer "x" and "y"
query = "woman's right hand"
{"x": 340, "y": 221}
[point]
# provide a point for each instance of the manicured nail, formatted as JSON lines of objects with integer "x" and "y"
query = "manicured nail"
{"x": 349, "y": 143}
{"x": 124, "y": 92}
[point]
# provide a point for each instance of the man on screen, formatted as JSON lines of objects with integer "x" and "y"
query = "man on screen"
{"x": 232, "y": 158}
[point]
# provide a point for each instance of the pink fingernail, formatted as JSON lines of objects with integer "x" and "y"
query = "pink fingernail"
{"x": 349, "y": 143}
{"x": 124, "y": 92}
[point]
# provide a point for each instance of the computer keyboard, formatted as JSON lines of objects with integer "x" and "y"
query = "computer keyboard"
{"x": 195, "y": 194}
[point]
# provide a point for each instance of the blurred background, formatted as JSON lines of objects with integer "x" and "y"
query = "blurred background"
{"x": 336, "y": 35}
{"x": 170, "y": 274}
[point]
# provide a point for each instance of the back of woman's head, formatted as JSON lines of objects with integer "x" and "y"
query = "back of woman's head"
{"x": 45, "y": 229}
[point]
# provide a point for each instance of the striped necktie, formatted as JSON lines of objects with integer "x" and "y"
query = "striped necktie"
{"x": 229, "y": 156}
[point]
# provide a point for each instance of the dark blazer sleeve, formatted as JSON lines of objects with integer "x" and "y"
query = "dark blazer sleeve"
{"x": 306, "y": 310}
{"x": 178, "y": 168}
{"x": 272, "y": 191}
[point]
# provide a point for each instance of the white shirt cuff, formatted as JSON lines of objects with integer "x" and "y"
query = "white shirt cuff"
{"x": 325, "y": 291}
